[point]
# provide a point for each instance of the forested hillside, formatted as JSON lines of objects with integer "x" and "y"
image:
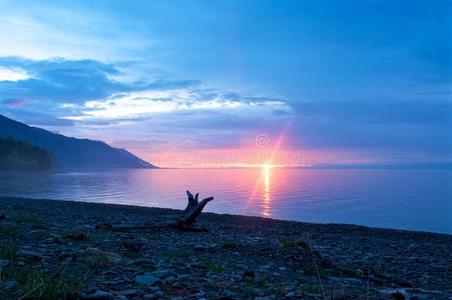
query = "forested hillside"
{"x": 69, "y": 152}
{"x": 21, "y": 156}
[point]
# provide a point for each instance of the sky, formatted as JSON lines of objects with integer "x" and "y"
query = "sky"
{"x": 236, "y": 83}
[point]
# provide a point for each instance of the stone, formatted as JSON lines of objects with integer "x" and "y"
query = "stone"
{"x": 141, "y": 262}
{"x": 97, "y": 295}
{"x": 172, "y": 248}
{"x": 291, "y": 294}
{"x": 103, "y": 226}
{"x": 29, "y": 254}
{"x": 112, "y": 258}
{"x": 4, "y": 262}
{"x": 147, "y": 279}
{"x": 170, "y": 279}
{"x": 163, "y": 274}
{"x": 199, "y": 247}
{"x": 249, "y": 274}
{"x": 160, "y": 294}
{"x": 212, "y": 272}
{"x": 54, "y": 239}
{"x": 10, "y": 284}
{"x": 129, "y": 292}
{"x": 78, "y": 235}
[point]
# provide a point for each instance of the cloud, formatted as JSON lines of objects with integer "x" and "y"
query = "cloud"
{"x": 147, "y": 102}
{"x": 60, "y": 80}
{"x": 96, "y": 94}
{"x": 15, "y": 102}
{"x": 73, "y": 81}
{"x": 90, "y": 90}
{"x": 13, "y": 74}
{"x": 109, "y": 101}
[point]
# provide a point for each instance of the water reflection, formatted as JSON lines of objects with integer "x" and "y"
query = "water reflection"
{"x": 383, "y": 198}
{"x": 267, "y": 201}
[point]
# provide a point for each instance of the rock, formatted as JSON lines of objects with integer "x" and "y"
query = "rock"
{"x": 345, "y": 280}
{"x": 291, "y": 294}
{"x": 162, "y": 274}
{"x": 199, "y": 247}
{"x": 133, "y": 246}
{"x": 165, "y": 263}
{"x": 2, "y": 217}
{"x": 103, "y": 226}
{"x": 228, "y": 295}
{"x": 398, "y": 294}
{"x": 97, "y": 295}
{"x": 263, "y": 298}
{"x": 141, "y": 262}
{"x": 172, "y": 248}
{"x": 10, "y": 284}
{"x": 198, "y": 296}
{"x": 112, "y": 258}
{"x": 29, "y": 254}
{"x": 147, "y": 279}
{"x": 130, "y": 292}
{"x": 160, "y": 294}
{"x": 4, "y": 262}
{"x": 78, "y": 235}
{"x": 170, "y": 279}
{"x": 54, "y": 239}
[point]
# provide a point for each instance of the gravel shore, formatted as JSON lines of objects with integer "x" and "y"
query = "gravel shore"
{"x": 52, "y": 249}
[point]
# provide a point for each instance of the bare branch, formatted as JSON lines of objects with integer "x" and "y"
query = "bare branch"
{"x": 183, "y": 222}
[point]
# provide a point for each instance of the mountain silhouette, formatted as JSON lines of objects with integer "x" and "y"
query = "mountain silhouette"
{"x": 69, "y": 152}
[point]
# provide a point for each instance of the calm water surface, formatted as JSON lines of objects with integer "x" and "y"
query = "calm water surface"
{"x": 406, "y": 199}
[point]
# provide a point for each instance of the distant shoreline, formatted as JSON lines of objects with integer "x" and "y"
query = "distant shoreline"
{"x": 238, "y": 257}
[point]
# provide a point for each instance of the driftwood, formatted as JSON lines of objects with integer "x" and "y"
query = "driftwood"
{"x": 183, "y": 221}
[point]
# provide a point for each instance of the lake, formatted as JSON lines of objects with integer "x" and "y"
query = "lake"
{"x": 389, "y": 198}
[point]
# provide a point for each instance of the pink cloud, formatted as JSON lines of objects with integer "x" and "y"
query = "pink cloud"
{"x": 17, "y": 103}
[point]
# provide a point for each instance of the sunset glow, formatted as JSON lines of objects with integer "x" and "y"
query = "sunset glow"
{"x": 178, "y": 94}
{"x": 266, "y": 190}
{"x": 225, "y": 149}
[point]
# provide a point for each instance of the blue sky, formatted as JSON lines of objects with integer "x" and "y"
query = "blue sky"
{"x": 347, "y": 81}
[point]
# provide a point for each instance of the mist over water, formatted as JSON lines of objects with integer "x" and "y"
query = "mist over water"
{"x": 404, "y": 199}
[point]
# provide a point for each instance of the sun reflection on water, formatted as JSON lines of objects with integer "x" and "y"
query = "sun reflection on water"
{"x": 266, "y": 199}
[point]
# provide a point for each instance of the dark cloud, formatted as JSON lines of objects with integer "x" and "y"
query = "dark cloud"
{"x": 61, "y": 80}
{"x": 74, "y": 81}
